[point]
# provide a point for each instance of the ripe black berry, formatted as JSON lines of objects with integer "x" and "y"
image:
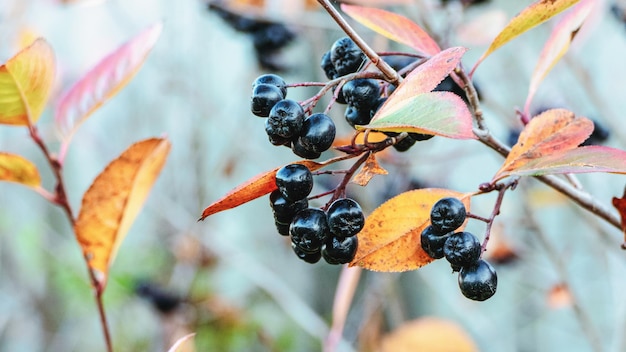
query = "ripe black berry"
{"x": 294, "y": 181}
{"x": 301, "y": 151}
{"x": 433, "y": 242}
{"x": 405, "y": 144}
{"x": 285, "y": 119}
{"x": 340, "y": 251}
{"x": 284, "y": 210}
{"x": 282, "y": 228}
{"x": 274, "y": 80}
{"x": 312, "y": 257}
{"x": 309, "y": 230}
{"x": 362, "y": 93}
{"x": 448, "y": 214}
{"x": 264, "y": 97}
{"x": 327, "y": 65}
{"x": 318, "y": 133}
{"x": 420, "y": 136}
{"x": 355, "y": 116}
{"x": 346, "y": 56}
{"x": 273, "y": 137}
{"x": 462, "y": 249}
{"x": 345, "y": 218}
{"x": 478, "y": 281}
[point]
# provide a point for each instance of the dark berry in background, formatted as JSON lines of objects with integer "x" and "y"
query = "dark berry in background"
{"x": 599, "y": 135}
{"x": 462, "y": 249}
{"x": 309, "y": 257}
{"x": 346, "y": 56}
{"x": 161, "y": 299}
{"x": 405, "y": 144}
{"x": 345, "y": 217}
{"x": 294, "y": 181}
{"x": 285, "y": 119}
{"x": 272, "y": 79}
{"x": 264, "y": 97}
{"x": 340, "y": 251}
{"x": 447, "y": 215}
{"x": 309, "y": 230}
{"x": 318, "y": 133}
{"x": 478, "y": 281}
{"x": 433, "y": 242}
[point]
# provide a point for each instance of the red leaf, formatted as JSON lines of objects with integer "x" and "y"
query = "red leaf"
{"x": 620, "y": 205}
{"x": 393, "y": 26}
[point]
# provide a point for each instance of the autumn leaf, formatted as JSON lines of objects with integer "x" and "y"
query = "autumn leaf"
{"x": 104, "y": 80}
{"x": 112, "y": 202}
{"x": 557, "y": 45}
{"x": 390, "y": 240}
{"x": 428, "y": 334}
{"x": 14, "y": 168}
{"x": 532, "y": 16}
{"x": 370, "y": 169}
{"x": 395, "y": 27}
{"x": 620, "y": 205}
{"x": 25, "y": 84}
{"x": 179, "y": 345}
{"x": 252, "y": 189}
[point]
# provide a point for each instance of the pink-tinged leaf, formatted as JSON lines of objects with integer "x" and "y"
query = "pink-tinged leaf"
{"x": 532, "y": 16}
{"x": 395, "y": 27}
{"x": 437, "y": 113}
{"x": 423, "y": 79}
{"x": 14, "y": 168}
{"x": 574, "y": 161}
{"x": 104, "y": 80}
{"x": 557, "y": 45}
{"x": 25, "y": 84}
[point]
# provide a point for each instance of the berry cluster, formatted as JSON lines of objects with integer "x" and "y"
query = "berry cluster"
{"x": 314, "y": 233}
{"x": 477, "y": 278}
{"x": 287, "y": 123}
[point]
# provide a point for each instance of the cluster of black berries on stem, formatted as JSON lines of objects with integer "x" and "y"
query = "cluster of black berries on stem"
{"x": 314, "y": 233}
{"x": 477, "y": 278}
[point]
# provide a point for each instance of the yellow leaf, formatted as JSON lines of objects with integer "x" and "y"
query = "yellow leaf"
{"x": 390, "y": 240}
{"x": 428, "y": 334}
{"x": 25, "y": 84}
{"x": 369, "y": 170}
{"x": 14, "y": 168}
{"x": 114, "y": 199}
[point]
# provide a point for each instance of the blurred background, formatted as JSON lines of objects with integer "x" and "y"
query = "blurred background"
{"x": 232, "y": 279}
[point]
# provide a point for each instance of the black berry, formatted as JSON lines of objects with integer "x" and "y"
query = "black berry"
{"x": 478, "y": 281}
{"x": 273, "y": 137}
{"x": 599, "y": 135}
{"x": 274, "y": 80}
{"x": 340, "y": 251}
{"x": 282, "y": 228}
{"x": 404, "y": 144}
{"x": 327, "y": 65}
{"x": 420, "y": 136}
{"x": 362, "y": 93}
{"x": 345, "y": 218}
{"x": 346, "y": 56}
{"x": 285, "y": 119}
{"x": 294, "y": 181}
{"x": 300, "y": 150}
{"x": 462, "y": 249}
{"x": 264, "y": 97}
{"x": 447, "y": 215}
{"x": 284, "y": 210}
{"x": 309, "y": 257}
{"x": 318, "y": 133}
{"x": 309, "y": 230}
{"x": 433, "y": 242}
{"x": 356, "y": 116}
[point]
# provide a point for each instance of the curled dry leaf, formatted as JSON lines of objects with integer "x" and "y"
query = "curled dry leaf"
{"x": 370, "y": 169}
{"x": 113, "y": 200}
{"x": 14, "y": 168}
{"x": 428, "y": 334}
{"x": 390, "y": 240}
{"x": 25, "y": 84}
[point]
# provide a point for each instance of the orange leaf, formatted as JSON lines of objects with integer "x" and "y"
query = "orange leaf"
{"x": 14, "y": 168}
{"x": 428, "y": 334}
{"x": 369, "y": 170}
{"x": 553, "y": 131}
{"x": 252, "y": 189}
{"x": 390, "y": 240}
{"x": 556, "y": 46}
{"x": 532, "y": 16}
{"x": 25, "y": 84}
{"x": 105, "y": 80}
{"x": 113, "y": 201}
{"x": 393, "y": 26}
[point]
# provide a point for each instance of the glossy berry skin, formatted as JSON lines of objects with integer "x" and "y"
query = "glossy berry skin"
{"x": 318, "y": 133}
{"x": 285, "y": 119}
{"x": 340, "y": 251}
{"x": 311, "y": 258}
{"x": 355, "y": 116}
{"x": 294, "y": 182}
{"x": 309, "y": 230}
{"x": 264, "y": 97}
{"x": 327, "y": 65}
{"x": 405, "y": 144}
{"x": 282, "y": 228}
{"x": 300, "y": 150}
{"x": 362, "y": 93}
{"x": 284, "y": 210}
{"x": 274, "y": 80}
{"x": 433, "y": 242}
{"x": 478, "y": 281}
{"x": 346, "y": 56}
{"x": 447, "y": 215}
{"x": 345, "y": 218}
{"x": 274, "y": 138}
{"x": 462, "y": 249}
